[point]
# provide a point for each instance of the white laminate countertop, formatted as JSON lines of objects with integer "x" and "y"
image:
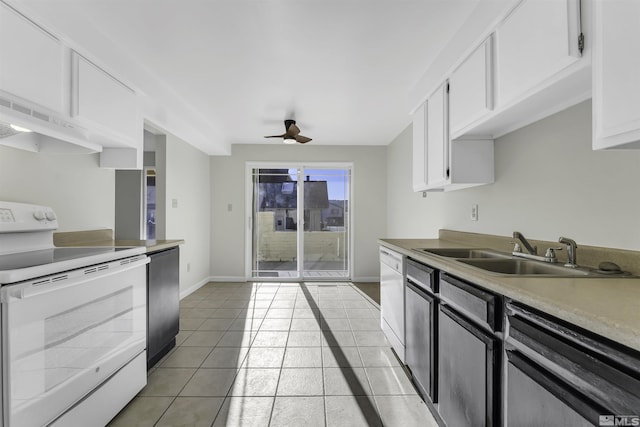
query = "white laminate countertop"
{"x": 609, "y": 307}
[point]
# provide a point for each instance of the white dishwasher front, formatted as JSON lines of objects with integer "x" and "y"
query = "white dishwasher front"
{"x": 392, "y": 299}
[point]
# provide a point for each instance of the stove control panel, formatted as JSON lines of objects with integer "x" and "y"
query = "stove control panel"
{"x": 23, "y": 217}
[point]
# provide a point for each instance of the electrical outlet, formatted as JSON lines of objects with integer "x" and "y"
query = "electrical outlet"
{"x": 188, "y": 267}
{"x": 474, "y": 212}
{"x": 174, "y": 203}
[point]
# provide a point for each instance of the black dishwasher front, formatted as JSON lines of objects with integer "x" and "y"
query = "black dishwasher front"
{"x": 421, "y": 327}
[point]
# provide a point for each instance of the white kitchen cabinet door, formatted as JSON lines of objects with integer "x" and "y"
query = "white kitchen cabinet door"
{"x": 471, "y": 88}
{"x": 420, "y": 148}
{"x": 616, "y": 74}
{"x": 105, "y": 104}
{"x": 538, "y": 39}
{"x": 32, "y": 62}
{"x": 438, "y": 138}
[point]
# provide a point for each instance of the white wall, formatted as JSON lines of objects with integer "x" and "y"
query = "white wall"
{"x": 186, "y": 171}
{"x": 549, "y": 183}
{"x": 228, "y": 187}
{"x": 81, "y": 194}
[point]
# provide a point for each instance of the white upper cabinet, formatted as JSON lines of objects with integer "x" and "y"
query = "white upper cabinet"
{"x": 33, "y": 62}
{"x": 420, "y": 148}
{"x": 442, "y": 164}
{"x": 616, "y": 74}
{"x": 438, "y": 137}
{"x": 538, "y": 39}
{"x": 110, "y": 109}
{"x": 471, "y": 88}
{"x": 105, "y": 103}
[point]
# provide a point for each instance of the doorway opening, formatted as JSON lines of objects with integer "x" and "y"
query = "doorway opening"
{"x": 299, "y": 221}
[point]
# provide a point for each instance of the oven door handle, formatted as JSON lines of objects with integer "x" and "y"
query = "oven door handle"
{"x": 68, "y": 279}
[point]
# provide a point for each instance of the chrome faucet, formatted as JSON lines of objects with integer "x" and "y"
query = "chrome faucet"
{"x": 571, "y": 252}
{"x": 533, "y": 250}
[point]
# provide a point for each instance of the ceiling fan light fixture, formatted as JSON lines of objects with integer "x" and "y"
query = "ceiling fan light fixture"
{"x": 291, "y": 134}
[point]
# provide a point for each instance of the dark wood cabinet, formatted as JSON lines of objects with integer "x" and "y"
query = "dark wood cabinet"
{"x": 469, "y": 354}
{"x": 421, "y": 328}
{"x": 537, "y": 398}
{"x": 469, "y": 374}
{"x": 484, "y": 359}
{"x": 163, "y": 303}
{"x": 564, "y": 375}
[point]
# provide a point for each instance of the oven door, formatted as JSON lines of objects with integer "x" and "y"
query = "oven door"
{"x": 65, "y": 334}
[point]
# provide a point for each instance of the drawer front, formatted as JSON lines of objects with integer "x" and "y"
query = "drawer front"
{"x": 480, "y": 305}
{"x": 421, "y": 275}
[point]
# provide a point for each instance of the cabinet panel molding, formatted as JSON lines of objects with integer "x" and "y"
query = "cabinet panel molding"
{"x": 616, "y": 67}
{"x": 538, "y": 39}
{"x": 33, "y": 65}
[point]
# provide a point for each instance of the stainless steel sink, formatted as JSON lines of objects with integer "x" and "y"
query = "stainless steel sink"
{"x": 522, "y": 267}
{"x": 464, "y": 252}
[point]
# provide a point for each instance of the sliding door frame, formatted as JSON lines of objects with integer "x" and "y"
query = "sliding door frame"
{"x": 248, "y": 229}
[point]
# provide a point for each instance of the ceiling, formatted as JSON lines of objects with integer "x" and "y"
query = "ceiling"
{"x": 233, "y": 70}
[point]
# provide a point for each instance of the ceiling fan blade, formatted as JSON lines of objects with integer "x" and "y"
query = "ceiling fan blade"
{"x": 293, "y": 130}
{"x": 302, "y": 139}
{"x": 276, "y": 136}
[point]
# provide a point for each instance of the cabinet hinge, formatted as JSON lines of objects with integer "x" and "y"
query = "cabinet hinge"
{"x": 581, "y": 35}
{"x": 581, "y": 43}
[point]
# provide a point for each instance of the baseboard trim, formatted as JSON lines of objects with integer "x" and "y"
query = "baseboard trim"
{"x": 193, "y": 288}
{"x": 366, "y": 279}
{"x": 227, "y": 279}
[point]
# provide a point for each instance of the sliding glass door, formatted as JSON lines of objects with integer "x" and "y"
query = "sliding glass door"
{"x": 300, "y": 221}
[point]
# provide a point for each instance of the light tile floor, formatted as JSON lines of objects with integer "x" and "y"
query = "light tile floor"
{"x": 278, "y": 354}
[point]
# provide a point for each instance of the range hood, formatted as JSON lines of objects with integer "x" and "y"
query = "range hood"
{"x": 34, "y": 130}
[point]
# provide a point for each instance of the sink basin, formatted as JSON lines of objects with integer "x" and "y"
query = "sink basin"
{"x": 464, "y": 253}
{"x": 522, "y": 267}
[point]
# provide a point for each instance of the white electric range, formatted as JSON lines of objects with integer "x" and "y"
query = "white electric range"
{"x": 73, "y": 324}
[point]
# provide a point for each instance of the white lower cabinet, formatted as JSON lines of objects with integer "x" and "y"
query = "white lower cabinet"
{"x": 616, "y": 71}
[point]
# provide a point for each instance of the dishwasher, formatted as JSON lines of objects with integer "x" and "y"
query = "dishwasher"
{"x": 421, "y": 326}
{"x": 392, "y": 299}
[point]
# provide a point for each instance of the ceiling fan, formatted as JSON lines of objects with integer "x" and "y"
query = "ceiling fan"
{"x": 292, "y": 134}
